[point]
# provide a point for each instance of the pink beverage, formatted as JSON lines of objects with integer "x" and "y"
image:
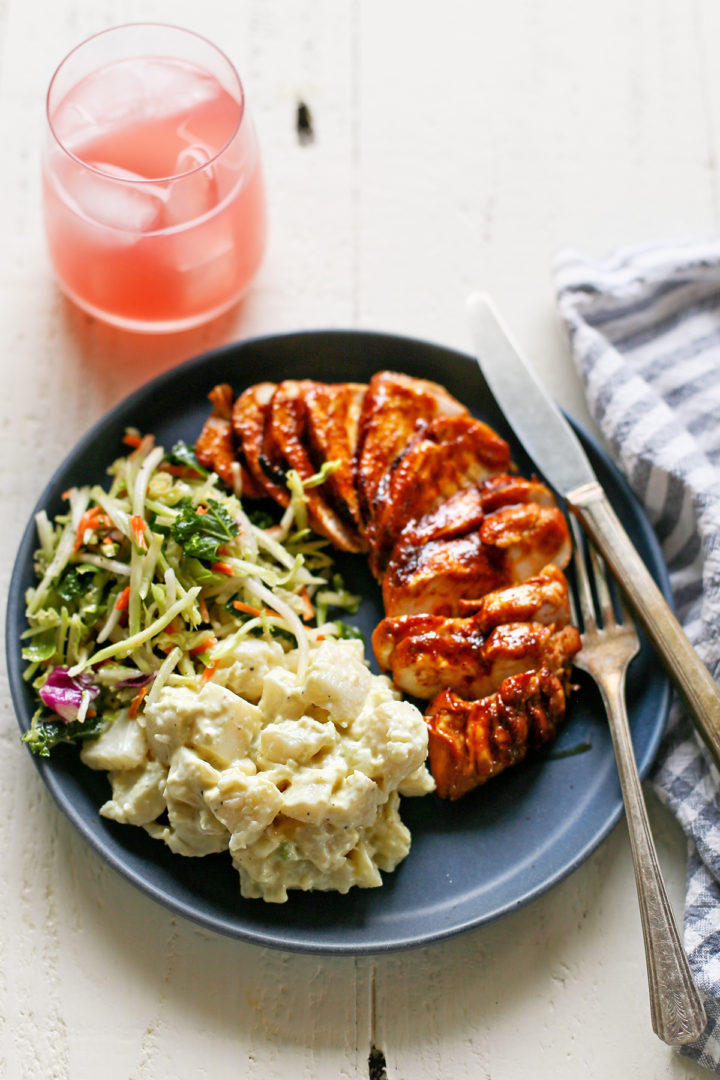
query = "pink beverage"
{"x": 153, "y": 190}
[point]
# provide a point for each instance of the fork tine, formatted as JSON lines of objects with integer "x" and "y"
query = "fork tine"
{"x": 601, "y": 587}
{"x": 584, "y": 550}
{"x": 587, "y": 606}
{"x": 574, "y": 617}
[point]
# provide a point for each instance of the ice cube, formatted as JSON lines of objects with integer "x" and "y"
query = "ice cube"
{"x": 190, "y": 157}
{"x": 96, "y": 104}
{"x": 116, "y": 199}
{"x": 206, "y": 258}
{"x": 128, "y": 92}
{"x": 194, "y": 194}
{"x": 72, "y": 121}
{"x": 173, "y": 85}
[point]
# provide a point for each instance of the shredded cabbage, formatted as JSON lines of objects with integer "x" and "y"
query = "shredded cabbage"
{"x": 66, "y": 694}
{"x": 153, "y": 581}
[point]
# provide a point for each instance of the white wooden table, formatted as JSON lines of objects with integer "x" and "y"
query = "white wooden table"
{"x": 457, "y": 145}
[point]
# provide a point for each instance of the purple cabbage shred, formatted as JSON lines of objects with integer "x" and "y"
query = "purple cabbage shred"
{"x": 63, "y": 693}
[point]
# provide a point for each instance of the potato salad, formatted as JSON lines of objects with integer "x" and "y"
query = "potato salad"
{"x": 188, "y": 648}
{"x": 298, "y": 778}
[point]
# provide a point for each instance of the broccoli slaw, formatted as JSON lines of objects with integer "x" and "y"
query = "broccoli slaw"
{"x": 158, "y": 578}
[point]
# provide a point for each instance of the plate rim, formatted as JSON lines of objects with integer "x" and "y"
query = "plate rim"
{"x": 15, "y": 614}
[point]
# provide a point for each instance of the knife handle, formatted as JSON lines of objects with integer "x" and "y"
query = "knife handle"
{"x": 695, "y": 683}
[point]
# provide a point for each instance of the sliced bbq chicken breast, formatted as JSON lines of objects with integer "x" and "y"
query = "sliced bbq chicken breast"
{"x": 471, "y": 741}
{"x": 511, "y": 630}
{"x": 215, "y": 447}
{"x": 394, "y": 408}
{"x": 445, "y": 456}
{"x": 285, "y": 443}
{"x": 470, "y": 555}
{"x": 510, "y": 545}
{"x": 333, "y": 424}
{"x": 249, "y": 420}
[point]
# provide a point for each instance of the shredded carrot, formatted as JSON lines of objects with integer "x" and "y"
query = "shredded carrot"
{"x": 131, "y": 439}
{"x": 222, "y": 568}
{"x": 137, "y": 701}
{"x": 209, "y": 672}
{"x": 248, "y": 609}
{"x": 91, "y": 519}
{"x": 205, "y": 644}
{"x": 201, "y": 510}
{"x": 66, "y": 494}
{"x": 309, "y": 612}
{"x": 123, "y": 601}
{"x": 145, "y": 445}
{"x": 139, "y": 525}
{"x": 204, "y": 613}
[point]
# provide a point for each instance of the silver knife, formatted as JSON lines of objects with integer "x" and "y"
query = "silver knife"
{"x": 553, "y": 446}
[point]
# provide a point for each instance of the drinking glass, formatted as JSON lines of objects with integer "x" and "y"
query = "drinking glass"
{"x": 153, "y": 192}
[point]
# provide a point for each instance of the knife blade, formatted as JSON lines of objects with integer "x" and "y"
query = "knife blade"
{"x": 558, "y": 454}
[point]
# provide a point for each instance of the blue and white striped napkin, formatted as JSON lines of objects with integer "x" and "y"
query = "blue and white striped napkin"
{"x": 644, "y": 326}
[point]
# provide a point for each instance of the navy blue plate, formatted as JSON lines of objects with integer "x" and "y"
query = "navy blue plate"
{"x": 471, "y": 861}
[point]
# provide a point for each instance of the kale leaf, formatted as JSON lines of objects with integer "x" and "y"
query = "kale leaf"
{"x": 43, "y": 735}
{"x": 200, "y": 535}
{"x": 182, "y": 454}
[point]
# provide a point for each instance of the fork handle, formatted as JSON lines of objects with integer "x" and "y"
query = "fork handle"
{"x": 676, "y": 1008}
{"x": 692, "y": 678}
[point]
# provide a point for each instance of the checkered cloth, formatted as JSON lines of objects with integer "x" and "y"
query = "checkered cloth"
{"x": 644, "y": 326}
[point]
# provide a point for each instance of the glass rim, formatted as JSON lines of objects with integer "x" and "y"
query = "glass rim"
{"x": 156, "y": 26}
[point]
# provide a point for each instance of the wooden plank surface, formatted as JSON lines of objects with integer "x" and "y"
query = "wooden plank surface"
{"x": 456, "y": 145}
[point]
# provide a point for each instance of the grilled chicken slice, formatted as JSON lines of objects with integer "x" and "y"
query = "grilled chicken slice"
{"x": 511, "y": 545}
{"x": 465, "y": 511}
{"x": 215, "y": 447}
{"x": 531, "y": 536}
{"x": 451, "y": 654}
{"x": 471, "y": 741}
{"x": 285, "y": 443}
{"x": 448, "y": 454}
{"x": 511, "y": 630}
{"x": 395, "y": 406}
{"x": 435, "y": 577}
{"x": 249, "y": 417}
{"x": 542, "y": 598}
{"x": 333, "y": 424}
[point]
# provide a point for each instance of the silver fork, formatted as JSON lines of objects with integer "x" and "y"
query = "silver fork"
{"x": 676, "y": 1009}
